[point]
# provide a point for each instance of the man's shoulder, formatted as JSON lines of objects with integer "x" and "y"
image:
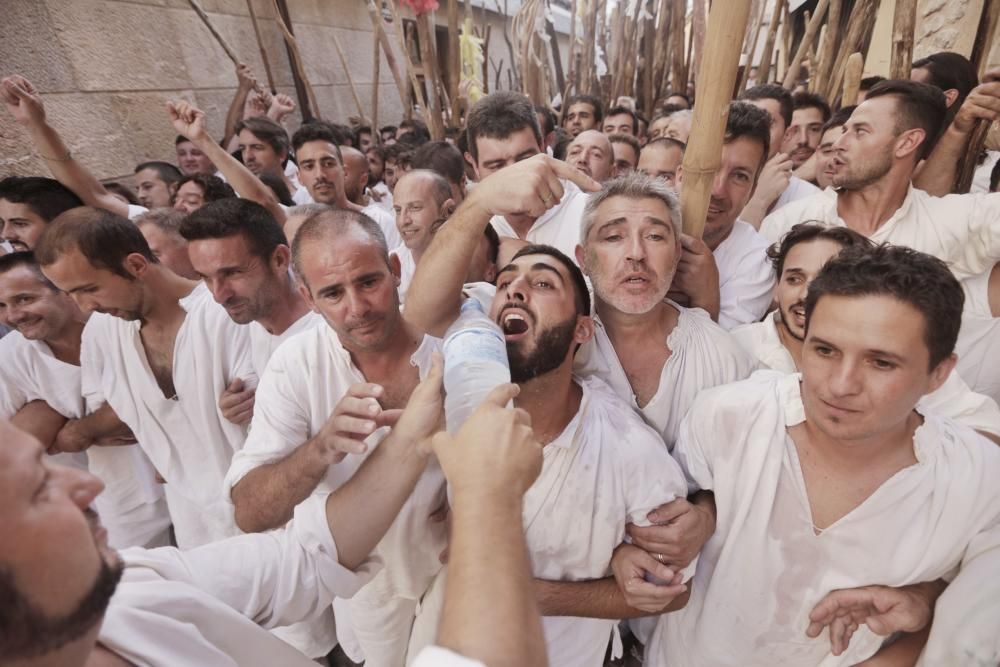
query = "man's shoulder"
{"x": 741, "y": 401}
{"x": 303, "y": 351}
{"x": 819, "y": 206}
{"x": 700, "y": 335}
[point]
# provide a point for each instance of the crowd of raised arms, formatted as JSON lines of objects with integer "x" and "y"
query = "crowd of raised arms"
{"x": 773, "y": 443}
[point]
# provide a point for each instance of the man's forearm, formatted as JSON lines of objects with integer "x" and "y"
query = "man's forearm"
{"x": 40, "y": 420}
{"x": 904, "y": 652}
{"x": 595, "y": 598}
{"x": 235, "y": 113}
{"x": 361, "y": 511}
{"x": 103, "y": 423}
{"x": 487, "y": 540}
{"x": 242, "y": 179}
{"x": 936, "y": 175}
{"x": 266, "y": 496}
{"x": 68, "y": 171}
{"x": 435, "y": 294}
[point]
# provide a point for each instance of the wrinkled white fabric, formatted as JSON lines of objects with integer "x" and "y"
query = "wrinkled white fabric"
{"x": 558, "y": 227}
{"x": 765, "y": 567}
{"x": 978, "y": 346}
{"x": 746, "y": 278}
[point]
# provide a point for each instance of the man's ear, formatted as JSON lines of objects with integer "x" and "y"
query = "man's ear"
{"x": 447, "y": 208}
{"x": 940, "y": 373}
{"x": 584, "y": 330}
{"x": 910, "y": 141}
{"x": 135, "y": 264}
{"x": 581, "y": 257}
{"x": 474, "y": 164}
{"x": 395, "y": 268}
{"x": 950, "y": 96}
{"x": 281, "y": 257}
{"x": 304, "y": 291}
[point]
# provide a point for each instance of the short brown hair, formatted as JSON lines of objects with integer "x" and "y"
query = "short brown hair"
{"x": 104, "y": 238}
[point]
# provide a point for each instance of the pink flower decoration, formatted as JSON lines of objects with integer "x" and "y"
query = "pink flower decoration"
{"x": 421, "y": 6}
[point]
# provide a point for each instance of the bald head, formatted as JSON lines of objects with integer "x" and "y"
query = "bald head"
{"x": 592, "y": 154}
{"x": 355, "y": 173}
{"x": 328, "y": 227}
{"x": 432, "y": 183}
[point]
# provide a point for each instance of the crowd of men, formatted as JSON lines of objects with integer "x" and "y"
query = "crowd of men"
{"x": 771, "y": 444}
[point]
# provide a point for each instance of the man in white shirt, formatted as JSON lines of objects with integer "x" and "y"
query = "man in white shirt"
{"x": 726, "y": 271}
{"x": 777, "y": 184}
{"x": 885, "y": 138}
{"x": 502, "y": 130}
{"x": 157, "y": 355}
{"x": 40, "y": 361}
{"x": 72, "y": 600}
{"x": 241, "y": 253}
{"x": 834, "y": 480}
{"x": 321, "y": 168}
{"x": 422, "y": 202}
{"x": 591, "y": 153}
{"x": 776, "y": 343}
{"x": 324, "y": 392}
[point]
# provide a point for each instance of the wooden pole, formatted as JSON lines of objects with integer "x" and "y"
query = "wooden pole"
{"x": 826, "y": 58}
{"x": 727, "y": 22}
{"x": 820, "y": 45}
{"x": 786, "y": 41}
{"x": 454, "y": 64}
{"x": 751, "y": 49}
{"x": 307, "y": 98}
{"x": 649, "y": 61}
{"x": 429, "y": 60}
{"x": 260, "y": 45}
{"x": 986, "y": 34}
{"x": 772, "y": 32}
{"x": 557, "y": 65}
{"x": 376, "y": 66}
{"x": 852, "y": 79}
{"x": 904, "y": 20}
{"x": 571, "y": 64}
{"x": 215, "y": 33}
{"x": 383, "y": 39}
{"x": 678, "y": 72}
{"x": 856, "y": 39}
{"x": 414, "y": 82}
{"x": 698, "y": 36}
{"x": 792, "y": 75}
{"x": 350, "y": 79}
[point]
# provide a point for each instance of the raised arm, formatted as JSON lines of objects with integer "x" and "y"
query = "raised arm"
{"x": 25, "y": 104}
{"x": 937, "y": 175}
{"x": 529, "y": 187}
{"x": 247, "y": 81}
{"x": 189, "y": 121}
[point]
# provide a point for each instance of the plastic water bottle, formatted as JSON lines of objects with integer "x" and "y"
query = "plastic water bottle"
{"x": 475, "y": 362}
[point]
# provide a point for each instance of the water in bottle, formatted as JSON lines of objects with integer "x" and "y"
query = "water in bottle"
{"x": 475, "y": 361}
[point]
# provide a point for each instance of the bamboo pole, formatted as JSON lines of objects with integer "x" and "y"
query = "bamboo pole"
{"x": 662, "y": 47}
{"x": 698, "y": 36}
{"x": 383, "y": 39}
{"x": 751, "y": 49}
{"x": 347, "y": 72}
{"x": 571, "y": 63}
{"x": 649, "y": 61}
{"x": 816, "y": 64}
{"x": 454, "y": 64}
{"x": 904, "y": 20}
{"x": 297, "y": 63}
{"x": 678, "y": 72}
{"x": 792, "y": 75}
{"x": 786, "y": 41}
{"x": 772, "y": 33}
{"x": 260, "y": 45}
{"x": 986, "y": 34}
{"x": 829, "y": 46}
{"x": 727, "y": 21}
{"x": 852, "y": 79}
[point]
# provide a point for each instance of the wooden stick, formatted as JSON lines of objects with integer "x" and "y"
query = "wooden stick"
{"x": 350, "y": 79}
{"x": 414, "y": 82}
{"x": 376, "y": 66}
{"x": 297, "y": 62}
{"x": 678, "y": 73}
{"x": 429, "y": 61}
{"x": 454, "y": 64}
{"x": 986, "y": 33}
{"x": 856, "y": 39}
{"x": 852, "y": 79}
{"x": 792, "y": 75}
{"x": 820, "y": 45}
{"x": 827, "y": 56}
{"x": 904, "y": 20}
{"x": 215, "y": 33}
{"x": 727, "y": 21}
{"x": 786, "y": 41}
{"x": 376, "y": 19}
{"x": 751, "y": 50}
{"x": 698, "y": 36}
{"x": 649, "y": 61}
{"x": 772, "y": 33}
{"x": 260, "y": 45}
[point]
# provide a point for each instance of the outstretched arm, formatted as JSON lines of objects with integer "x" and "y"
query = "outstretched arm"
{"x": 25, "y": 104}
{"x": 189, "y": 121}
{"x": 247, "y": 82}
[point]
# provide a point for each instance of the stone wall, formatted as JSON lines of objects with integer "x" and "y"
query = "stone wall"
{"x": 107, "y": 67}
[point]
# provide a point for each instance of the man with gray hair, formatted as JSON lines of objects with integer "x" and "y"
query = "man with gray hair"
{"x": 422, "y": 201}
{"x": 325, "y": 401}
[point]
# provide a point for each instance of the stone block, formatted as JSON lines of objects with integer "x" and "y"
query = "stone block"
{"x": 30, "y": 46}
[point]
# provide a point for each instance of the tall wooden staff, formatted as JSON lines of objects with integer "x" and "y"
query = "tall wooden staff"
{"x": 260, "y": 45}
{"x": 852, "y": 79}
{"x": 376, "y": 19}
{"x": 772, "y": 32}
{"x": 856, "y": 39}
{"x": 792, "y": 75}
{"x": 904, "y": 20}
{"x": 822, "y": 74}
{"x": 727, "y": 23}
{"x": 986, "y": 34}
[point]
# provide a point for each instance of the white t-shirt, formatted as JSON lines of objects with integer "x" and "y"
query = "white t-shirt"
{"x": 131, "y": 506}
{"x": 765, "y": 567}
{"x": 435, "y": 656}
{"x": 263, "y": 344}
{"x": 384, "y": 196}
{"x": 304, "y": 381}
{"x": 134, "y": 211}
{"x": 703, "y": 356}
{"x": 961, "y": 230}
{"x": 387, "y": 222}
{"x": 607, "y": 468}
{"x": 981, "y": 177}
{"x": 301, "y": 196}
{"x": 558, "y": 227}
{"x": 954, "y": 399}
{"x": 746, "y": 277}
{"x": 186, "y": 437}
{"x": 212, "y": 605}
{"x": 797, "y": 189}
